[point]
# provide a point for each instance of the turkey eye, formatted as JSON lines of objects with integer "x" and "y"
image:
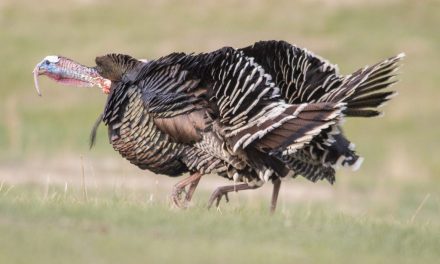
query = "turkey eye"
{"x": 47, "y": 62}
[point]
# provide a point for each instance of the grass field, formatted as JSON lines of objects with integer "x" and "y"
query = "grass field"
{"x": 388, "y": 212}
{"x": 126, "y": 228}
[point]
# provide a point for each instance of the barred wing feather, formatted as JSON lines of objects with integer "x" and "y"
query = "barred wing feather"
{"x": 253, "y": 113}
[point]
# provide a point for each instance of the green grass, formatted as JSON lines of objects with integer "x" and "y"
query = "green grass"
{"x": 107, "y": 228}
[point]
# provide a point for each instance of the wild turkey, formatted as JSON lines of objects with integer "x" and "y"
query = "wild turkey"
{"x": 253, "y": 115}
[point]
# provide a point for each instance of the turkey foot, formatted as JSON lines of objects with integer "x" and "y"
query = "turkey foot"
{"x": 179, "y": 188}
{"x": 224, "y": 190}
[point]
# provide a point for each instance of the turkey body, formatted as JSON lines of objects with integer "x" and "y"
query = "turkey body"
{"x": 255, "y": 114}
{"x": 182, "y": 113}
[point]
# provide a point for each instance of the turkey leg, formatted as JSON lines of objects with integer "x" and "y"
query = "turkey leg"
{"x": 179, "y": 188}
{"x": 218, "y": 194}
{"x": 224, "y": 190}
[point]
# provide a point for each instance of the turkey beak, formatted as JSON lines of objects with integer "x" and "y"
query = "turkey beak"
{"x": 36, "y": 72}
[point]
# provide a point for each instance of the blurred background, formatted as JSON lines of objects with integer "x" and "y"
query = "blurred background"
{"x": 44, "y": 140}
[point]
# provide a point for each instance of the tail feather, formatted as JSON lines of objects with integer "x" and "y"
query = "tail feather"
{"x": 376, "y": 86}
{"x": 362, "y": 90}
{"x": 372, "y": 100}
{"x": 367, "y": 97}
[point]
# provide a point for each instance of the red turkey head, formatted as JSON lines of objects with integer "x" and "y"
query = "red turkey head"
{"x": 69, "y": 72}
